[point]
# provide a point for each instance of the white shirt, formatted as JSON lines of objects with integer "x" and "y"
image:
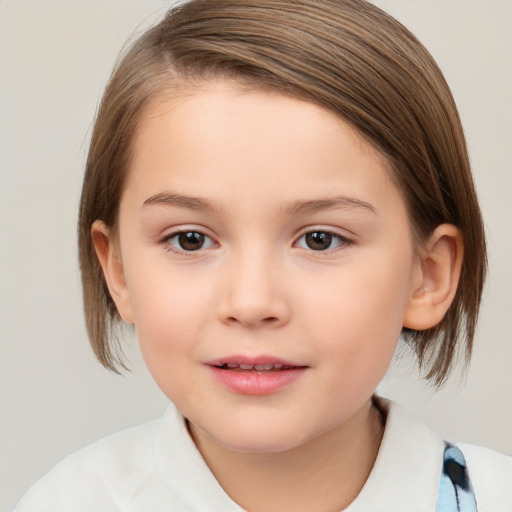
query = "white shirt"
{"x": 156, "y": 467}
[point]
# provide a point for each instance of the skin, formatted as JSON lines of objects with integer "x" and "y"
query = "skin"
{"x": 257, "y": 288}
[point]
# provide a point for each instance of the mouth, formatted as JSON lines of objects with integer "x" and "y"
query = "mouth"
{"x": 256, "y": 376}
{"x": 241, "y": 367}
{"x": 239, "y": 363}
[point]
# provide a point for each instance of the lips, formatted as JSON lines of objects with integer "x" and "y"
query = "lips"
{"x": 255, "y": 376}
{"x": 261, "y": 363}
{"x": 255, "y": 367}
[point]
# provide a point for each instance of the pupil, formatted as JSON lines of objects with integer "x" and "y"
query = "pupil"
{"x": 318, "y": 240}
{"x": 191, "y": 241}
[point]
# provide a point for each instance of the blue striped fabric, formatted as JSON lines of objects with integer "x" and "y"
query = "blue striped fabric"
{"x": 455, "y": 490}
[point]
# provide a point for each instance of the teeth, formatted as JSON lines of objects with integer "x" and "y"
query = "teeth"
{"x": 257, "y": 367}
{"x": 261, "y": 367}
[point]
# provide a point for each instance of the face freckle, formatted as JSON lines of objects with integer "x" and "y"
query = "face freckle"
{"x": 285, "y": 315}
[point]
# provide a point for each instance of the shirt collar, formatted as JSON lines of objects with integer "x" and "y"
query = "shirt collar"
{"x": 184, "y": 470}
{"x": 407, "y": 471}
{"x": 405, "y": 475}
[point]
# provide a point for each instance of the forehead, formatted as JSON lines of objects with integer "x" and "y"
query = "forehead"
{"x": 275, "y": 146}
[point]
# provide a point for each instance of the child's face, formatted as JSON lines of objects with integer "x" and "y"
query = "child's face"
{"x": 298, "y": 252}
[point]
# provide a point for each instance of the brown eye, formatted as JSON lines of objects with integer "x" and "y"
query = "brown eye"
{"x": 321, "y": 241}
{"x": 318, "y": 241}
{"x": 191, "y": 241}
{"x": 188, "y": 241}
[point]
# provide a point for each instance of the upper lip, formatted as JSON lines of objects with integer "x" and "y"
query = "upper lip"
{"x": 263, "y": 360}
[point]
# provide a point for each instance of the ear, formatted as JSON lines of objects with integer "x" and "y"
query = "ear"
{"x": 107, "y": 250}
{"x": 439, "y": 271}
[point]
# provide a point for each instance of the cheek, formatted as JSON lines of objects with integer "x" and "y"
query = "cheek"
{"x": 168, "y": 329}
{"x": 356, "y": 319}
{"x": 367, "y": 297}
{"x": 169, "y": 314}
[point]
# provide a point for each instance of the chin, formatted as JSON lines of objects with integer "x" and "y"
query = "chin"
{"x": 264, "y": 444}
{"x": 257, "y": 438}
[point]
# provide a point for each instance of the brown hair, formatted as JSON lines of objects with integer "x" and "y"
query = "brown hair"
{"x": 345, "y": 55}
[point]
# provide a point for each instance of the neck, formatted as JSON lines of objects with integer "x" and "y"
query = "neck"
{"x": 326, "y": 474}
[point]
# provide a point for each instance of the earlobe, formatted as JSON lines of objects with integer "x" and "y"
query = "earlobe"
{"x": 108, "y": 255}
{"x": 440, "y": 267}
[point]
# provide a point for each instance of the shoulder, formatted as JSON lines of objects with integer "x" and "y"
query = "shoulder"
{"x": 413, "y": 456}
{"x": 491, "y": 476}
{"x": 93, "y": 477}
{"x": 154, "y": 467}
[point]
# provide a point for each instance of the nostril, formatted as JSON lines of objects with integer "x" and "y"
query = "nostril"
{"x": 267, "y": 320}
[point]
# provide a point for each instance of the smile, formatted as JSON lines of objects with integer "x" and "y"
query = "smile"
{"x": 257, "y": 367}
{"x": 262, "y": 376}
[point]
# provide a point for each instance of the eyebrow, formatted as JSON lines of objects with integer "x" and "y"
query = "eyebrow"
{"x": 300, "y": 206}
{"x": 181, "y": 201}
{"x": 329, "y": 203}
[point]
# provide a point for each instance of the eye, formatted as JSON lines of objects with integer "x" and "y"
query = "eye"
{"x": 188, "y": 241}
{"x": 321, "y": 241}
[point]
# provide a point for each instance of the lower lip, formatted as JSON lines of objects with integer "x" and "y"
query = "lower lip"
{"x": 257, "y": 383}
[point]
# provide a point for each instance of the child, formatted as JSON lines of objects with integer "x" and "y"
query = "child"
{"x": 275, "y": 191}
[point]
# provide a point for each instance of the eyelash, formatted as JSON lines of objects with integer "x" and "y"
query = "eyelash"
{"x": 166, "y": 242}
{"x": 342, "y": 241}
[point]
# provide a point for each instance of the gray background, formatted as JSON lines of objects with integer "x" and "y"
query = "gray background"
{"x": 55, "y": 57}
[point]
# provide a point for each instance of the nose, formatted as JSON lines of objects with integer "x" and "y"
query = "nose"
{"x": 254, "y": 296}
